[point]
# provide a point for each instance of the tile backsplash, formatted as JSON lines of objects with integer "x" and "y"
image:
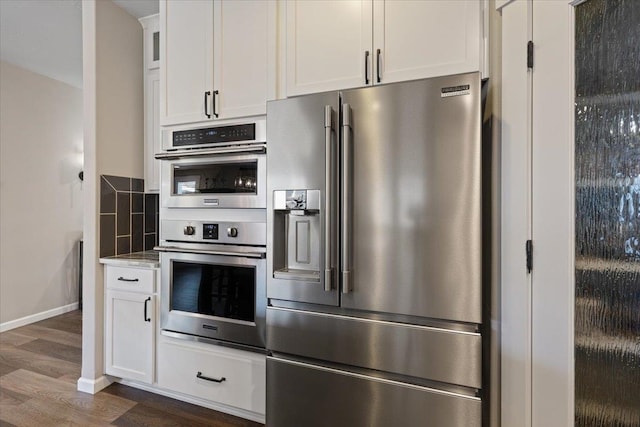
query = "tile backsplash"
{"x": 128, "y": 216}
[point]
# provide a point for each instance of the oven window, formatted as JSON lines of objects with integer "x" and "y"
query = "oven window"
{"x": 214, "y": 290}
{"x": 215, "y": 178}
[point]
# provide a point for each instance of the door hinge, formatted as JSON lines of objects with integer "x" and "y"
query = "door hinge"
{"x": 530, "y": 54}
{"x": 529, "y": 251}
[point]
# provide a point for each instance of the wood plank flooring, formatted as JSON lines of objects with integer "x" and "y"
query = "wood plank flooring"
{"x": 39, "y": 368}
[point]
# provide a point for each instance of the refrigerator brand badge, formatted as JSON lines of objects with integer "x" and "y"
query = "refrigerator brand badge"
{"x": 446, "y": 92}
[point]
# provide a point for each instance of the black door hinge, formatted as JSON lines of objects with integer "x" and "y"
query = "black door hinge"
{"x": 530, "y": 54}
{"x": 529, "y": 251}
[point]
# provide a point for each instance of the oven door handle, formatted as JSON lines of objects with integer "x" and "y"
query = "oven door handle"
{"x": 210, "y": 252}
{"x": 199, "y": 152}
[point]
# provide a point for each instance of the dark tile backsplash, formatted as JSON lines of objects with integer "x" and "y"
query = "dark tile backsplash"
{"x": 107, "y": 197}
{"x": 128, "y": 217}
{"x": 123, "y": 213}
{"x": 107, "y": 235}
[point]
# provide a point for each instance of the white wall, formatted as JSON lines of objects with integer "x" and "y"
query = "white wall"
{"x": 40, "y": 194}
{"x": 113, "y": 137}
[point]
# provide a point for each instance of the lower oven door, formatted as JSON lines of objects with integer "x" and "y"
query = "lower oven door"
{"x": 220, "y": 297}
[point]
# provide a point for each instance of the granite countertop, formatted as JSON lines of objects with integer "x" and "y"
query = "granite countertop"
{"x": 149, "y": 259}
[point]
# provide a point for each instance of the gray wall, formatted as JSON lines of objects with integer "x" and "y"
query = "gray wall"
{"x": 40, "y": 193}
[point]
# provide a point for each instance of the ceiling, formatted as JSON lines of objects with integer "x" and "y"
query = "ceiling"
{"x": 45, "y": 36}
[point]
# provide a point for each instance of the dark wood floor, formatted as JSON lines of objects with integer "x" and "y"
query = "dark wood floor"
{"x": 39, "y": 369}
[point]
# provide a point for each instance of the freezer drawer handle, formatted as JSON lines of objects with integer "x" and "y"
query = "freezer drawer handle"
{"x": 122, "y": 279}
{"x": 215, "y": 380}
{"x": 347, "y": 197}
{"x": 328, "y": 202}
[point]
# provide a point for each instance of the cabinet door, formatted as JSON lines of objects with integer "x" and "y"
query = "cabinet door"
{"x": 327, "y": 45}
{"x": 130, "y": 338}
{"x": 418, "y": 39}
{"x": 186, "y": 60}
{"x": 151, "y": 26}
{"x": 240, "y": 57}
{"x": 152, "y": 131}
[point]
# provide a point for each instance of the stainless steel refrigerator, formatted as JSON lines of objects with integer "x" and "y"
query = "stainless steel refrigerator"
{"x": 375, "y": 256}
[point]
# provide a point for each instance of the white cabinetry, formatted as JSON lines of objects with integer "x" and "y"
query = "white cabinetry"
{"x": 327, "y": 43}
{"x": 130, "y": 307}
{"x": 151, "y": 27}
{"x": 344, "y": 44}
{"x": 417, "y": 39}
{"x": 222, "y": 375}
{"x": 213, "y": 59}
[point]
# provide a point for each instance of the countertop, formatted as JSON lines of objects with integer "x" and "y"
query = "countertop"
{"x": 148, "y": 259}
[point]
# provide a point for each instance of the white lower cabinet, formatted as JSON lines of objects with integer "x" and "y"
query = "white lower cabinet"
{"x": 130, "y": 323}
{"x": 218, "y": 374}
{"x": 222, "y": 378}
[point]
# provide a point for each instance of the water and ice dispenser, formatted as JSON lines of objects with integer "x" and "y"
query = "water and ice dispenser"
{"x": 297, "y": 235}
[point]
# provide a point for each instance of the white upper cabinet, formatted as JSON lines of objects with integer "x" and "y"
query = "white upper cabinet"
{"x": 328, "y": 45}
{"x": 186, "y": 61}
{"x": 214, "y": 59}
{"x": 151, "y": 26}
{"x": 240, "y": 58}
{"x": 340, "y": 44}
{"x": 151, "y": 33}
{"x": 418, "y": 39}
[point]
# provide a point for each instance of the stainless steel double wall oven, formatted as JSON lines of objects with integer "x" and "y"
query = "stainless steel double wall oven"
{"x": 213, "y": 234}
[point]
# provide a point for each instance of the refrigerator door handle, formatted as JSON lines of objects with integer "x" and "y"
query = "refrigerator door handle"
{"x": 347, "y": 197}
{"x": 328, "y": 198}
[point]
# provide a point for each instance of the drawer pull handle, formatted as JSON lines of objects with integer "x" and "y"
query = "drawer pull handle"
{"x": 215, "y": 380}
{"x": 122, "y": 279}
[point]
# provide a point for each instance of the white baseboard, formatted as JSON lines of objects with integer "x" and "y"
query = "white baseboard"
{"x": 27, "y": 320}
{"x": 88, "y": 385}
{"x": 253, "y": 416}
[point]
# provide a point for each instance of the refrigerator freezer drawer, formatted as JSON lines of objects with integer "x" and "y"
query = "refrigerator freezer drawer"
{"x": 299, "y": 394}
{"x": 431, "y": 353}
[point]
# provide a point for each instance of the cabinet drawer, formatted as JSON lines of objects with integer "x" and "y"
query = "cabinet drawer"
{"x": 244, "y": 374}
{"x": 130, "y": 279}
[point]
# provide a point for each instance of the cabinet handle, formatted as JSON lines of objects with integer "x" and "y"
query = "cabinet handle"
{"x": 122, "y": 279}
{"x": 215, "y": 380}
{"x": 206, "y": 104}
{"x": 215, "y": 95}
{"x": 366, "y": 67}
{"x": 379, "y": 64}
{"x": 146, "y": 317}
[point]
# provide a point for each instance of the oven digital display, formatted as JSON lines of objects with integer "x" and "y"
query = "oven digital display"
{"x": 210, "y": 231}
{"x": 214, "y": 290}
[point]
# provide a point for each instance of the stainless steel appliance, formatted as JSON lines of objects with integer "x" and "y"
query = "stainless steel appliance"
{"x": 375, "y": 256}
{"x": 216, "y": 167}
{"x": 213, "y": 281}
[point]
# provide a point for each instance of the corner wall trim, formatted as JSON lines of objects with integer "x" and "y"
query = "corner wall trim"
{"x": 27, "y": 320}
{"x": 88, "y": 385}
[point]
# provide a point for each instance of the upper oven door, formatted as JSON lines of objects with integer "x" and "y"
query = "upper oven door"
{"x": 215, "y": 181}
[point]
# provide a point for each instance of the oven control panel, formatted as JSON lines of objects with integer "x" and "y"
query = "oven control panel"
{"x": 218, "y": 233}
{"x": 216, "y": 135}
{"x": 210, "y": 231}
